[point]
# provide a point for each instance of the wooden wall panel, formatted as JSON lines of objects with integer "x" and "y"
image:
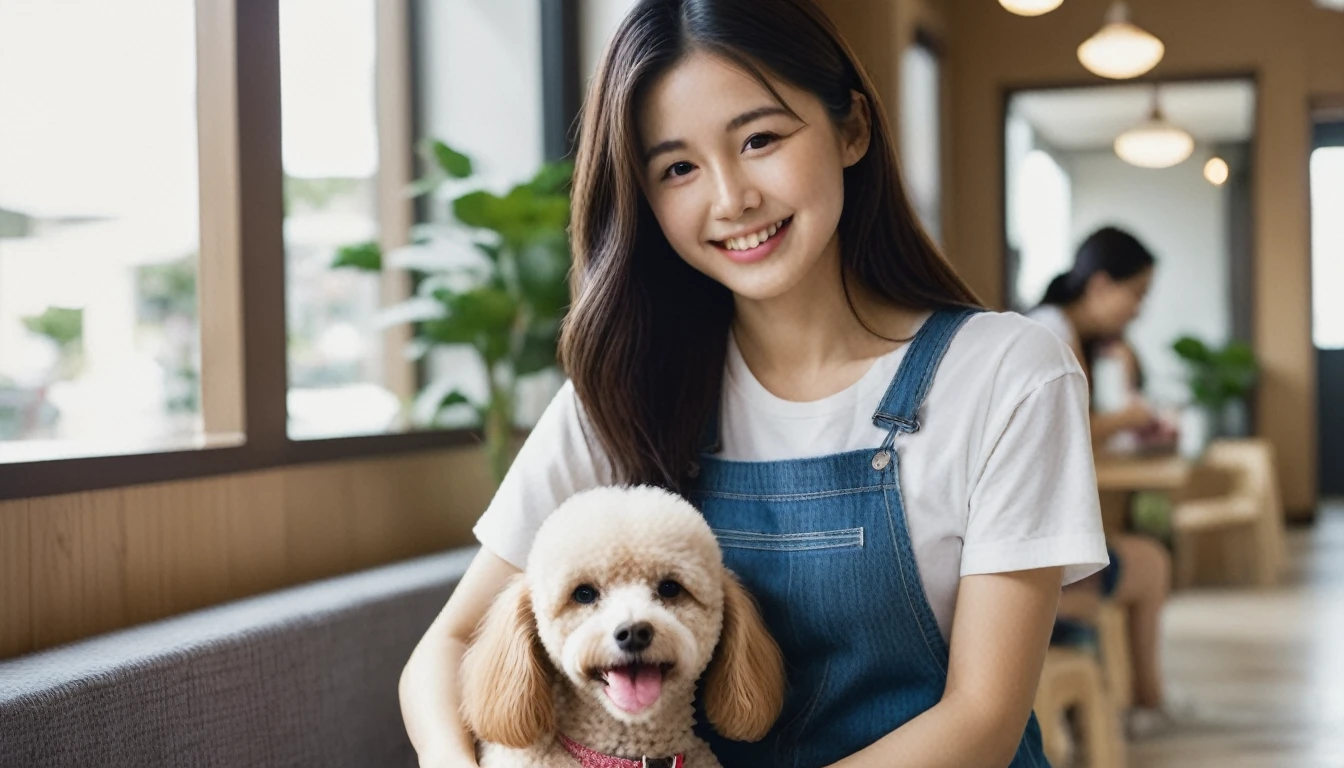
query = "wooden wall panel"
{"x": 254, "y": 543}
{"x": 319, "y": 521}
{"x": 85, "y": 563}
{"x": 78, "y": 554}
{"x": 16, "y": 634}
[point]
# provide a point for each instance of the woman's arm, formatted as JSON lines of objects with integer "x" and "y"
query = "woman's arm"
{"x": 999, "y": 637}
{"x": 430, "y": 699}
{"x": 1136, "y": 415}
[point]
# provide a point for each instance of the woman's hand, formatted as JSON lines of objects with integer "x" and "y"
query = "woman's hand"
{"x": 448, "y": 761}
{"x": 1138, "y": 415}
{"x": 429, "y": 688}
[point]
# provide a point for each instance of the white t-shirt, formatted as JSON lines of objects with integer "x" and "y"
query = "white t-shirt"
{"x": 998, "y": 478}
{"x": 1110, "y": 382}
{"x": 1053, "y": 317}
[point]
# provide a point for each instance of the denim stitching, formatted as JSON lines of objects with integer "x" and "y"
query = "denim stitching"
{"x": 803, "y": 719}
{"x": 790, "y": 496}
{"x": 764, "y": 546}
{"x": 914, "y": 611}
{"x": 928, "y": 362}
{"x": 842, "y": 533}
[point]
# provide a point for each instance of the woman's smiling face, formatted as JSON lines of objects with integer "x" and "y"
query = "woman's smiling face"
{"x": 746, "y": 192}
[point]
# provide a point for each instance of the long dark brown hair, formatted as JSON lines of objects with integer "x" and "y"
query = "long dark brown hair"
{"x": 646, "y": 337}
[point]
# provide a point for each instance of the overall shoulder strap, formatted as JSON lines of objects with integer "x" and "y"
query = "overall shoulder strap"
{"x": 899, "y": 409}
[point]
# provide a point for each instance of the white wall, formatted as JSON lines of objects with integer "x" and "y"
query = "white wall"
{"x": 598, "y": 20}
{"x": 481, "y": 86}
{"x": 921, "y": 129}
{"x": 1182, "y": 219}
{"x": 481, "y": 94}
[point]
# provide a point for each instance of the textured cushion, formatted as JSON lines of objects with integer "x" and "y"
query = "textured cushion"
{"x": 301, "y": 677}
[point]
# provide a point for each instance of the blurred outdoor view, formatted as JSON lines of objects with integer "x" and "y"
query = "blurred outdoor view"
{"x": 99, "y": 225}
{"x": 330, "y": 145}
{"x": 99, "y": 339}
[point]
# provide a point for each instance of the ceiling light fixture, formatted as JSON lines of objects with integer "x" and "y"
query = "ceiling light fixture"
{"x": 1154, "y": 143}
{"x": 1216, "y": 171}
{"x": 1030, "y": 7}
{"x": 1120, "y": 50}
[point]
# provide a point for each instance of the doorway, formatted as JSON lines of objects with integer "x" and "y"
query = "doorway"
{"x": 1327, "y": 286}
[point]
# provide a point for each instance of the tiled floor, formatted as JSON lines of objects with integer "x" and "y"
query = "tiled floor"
{"x": 1265, "y": 667}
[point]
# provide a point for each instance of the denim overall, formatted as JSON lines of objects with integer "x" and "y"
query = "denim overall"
{"x": 823, "y": 546}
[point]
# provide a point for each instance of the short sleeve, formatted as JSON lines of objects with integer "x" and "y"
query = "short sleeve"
{"x": 1035, "y": 504}
{"x": 558, "y": 459}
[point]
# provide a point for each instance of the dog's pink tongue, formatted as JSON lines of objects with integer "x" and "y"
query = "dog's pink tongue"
{"x": 634, "y": 688}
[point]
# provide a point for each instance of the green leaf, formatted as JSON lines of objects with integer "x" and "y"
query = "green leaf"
{"x": 518, "y": 217}
{"x": 553, "y": 178}
{"x": 62, "y": 325}
{"x": 494, "y": 346}
{"x": 453, "y": 163}
{"x": 538, "y": 352}
{"x": 543, "y": 273}
{"x": 452, "y": 398}
{"x": 1192, "y": 350}
{"x": 491, "y": 251}
{"x": 364, "y": 256}
{"x": 473, "y": 317}
{"x": 1238, "y": 355}
{"x": 480, "y": 209}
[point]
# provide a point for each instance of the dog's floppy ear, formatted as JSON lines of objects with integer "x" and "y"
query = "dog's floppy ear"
{"x": 744, "y": 686}
{"x": 506, "y": 679}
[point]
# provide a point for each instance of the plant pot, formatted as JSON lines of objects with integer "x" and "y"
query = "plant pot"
{"x": 1196, "y": 430}
{"x": 1235, "y": 419}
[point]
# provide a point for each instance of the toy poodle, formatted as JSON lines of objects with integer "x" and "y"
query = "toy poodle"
{"x": 590, "y": 657}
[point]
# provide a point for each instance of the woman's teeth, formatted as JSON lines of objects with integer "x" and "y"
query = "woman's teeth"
{"x": 754, "y": 239}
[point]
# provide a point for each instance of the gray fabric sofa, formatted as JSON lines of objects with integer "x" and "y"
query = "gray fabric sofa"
{"x": 305, "y": 676}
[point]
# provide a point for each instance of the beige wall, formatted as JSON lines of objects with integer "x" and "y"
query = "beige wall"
{"x": 84, "y": 563}
{"x": 879, "y": 31}
{"x": 1297, "y": 53}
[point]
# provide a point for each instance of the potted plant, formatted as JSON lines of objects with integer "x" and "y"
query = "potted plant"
{"x": 495, "y": 280}
{"x": 1220, "y": 381}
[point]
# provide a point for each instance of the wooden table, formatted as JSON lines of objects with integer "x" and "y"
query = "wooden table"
{"x": 1119, "y": 476}
{"x": 1142, "y": 473}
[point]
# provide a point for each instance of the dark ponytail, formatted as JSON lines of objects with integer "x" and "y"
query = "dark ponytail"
{"x": 1061, "y": 292}
{"x": 1111, "y": 250}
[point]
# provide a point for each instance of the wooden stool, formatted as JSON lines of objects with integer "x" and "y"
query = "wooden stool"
{"x": 1117, "y": 663}
{"x": 1249, "y": 517}
{"x": 1073, "y": 680}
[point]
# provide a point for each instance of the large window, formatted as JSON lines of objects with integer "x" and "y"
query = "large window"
{"x": 99, "y": 227}
{"x": 1327, "y": 246}
{"x": 338, "y": 378}
{"x": 178, "y": 181}
{"x": 921, "y": 126}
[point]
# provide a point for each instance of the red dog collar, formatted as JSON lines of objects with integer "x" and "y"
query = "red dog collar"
{"x": 590, "y": 759}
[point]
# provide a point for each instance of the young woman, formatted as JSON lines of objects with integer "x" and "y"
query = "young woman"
{"x": 759, "y": 323}
{"x": 1089, "y": 307}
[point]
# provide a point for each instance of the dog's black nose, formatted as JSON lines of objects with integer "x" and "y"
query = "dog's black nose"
{"x": 634, "y": 637}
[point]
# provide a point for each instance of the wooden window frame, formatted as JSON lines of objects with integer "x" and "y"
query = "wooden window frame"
{"x": 242, "y": 264}
{"x": 244, "y": 367}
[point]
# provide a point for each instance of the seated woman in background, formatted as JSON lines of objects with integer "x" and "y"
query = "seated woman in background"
{"x": 1089, "y": 307}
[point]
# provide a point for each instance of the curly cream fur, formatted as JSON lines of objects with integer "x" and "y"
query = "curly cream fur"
{"x": 529, "y": 672}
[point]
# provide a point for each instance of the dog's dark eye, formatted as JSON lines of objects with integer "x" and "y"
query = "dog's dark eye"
{"x": 585, "y": 594}
{"x": 668, "y": 588}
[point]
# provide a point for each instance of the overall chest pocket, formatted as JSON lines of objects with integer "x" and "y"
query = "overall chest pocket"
{"x": 846, "y": 538}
